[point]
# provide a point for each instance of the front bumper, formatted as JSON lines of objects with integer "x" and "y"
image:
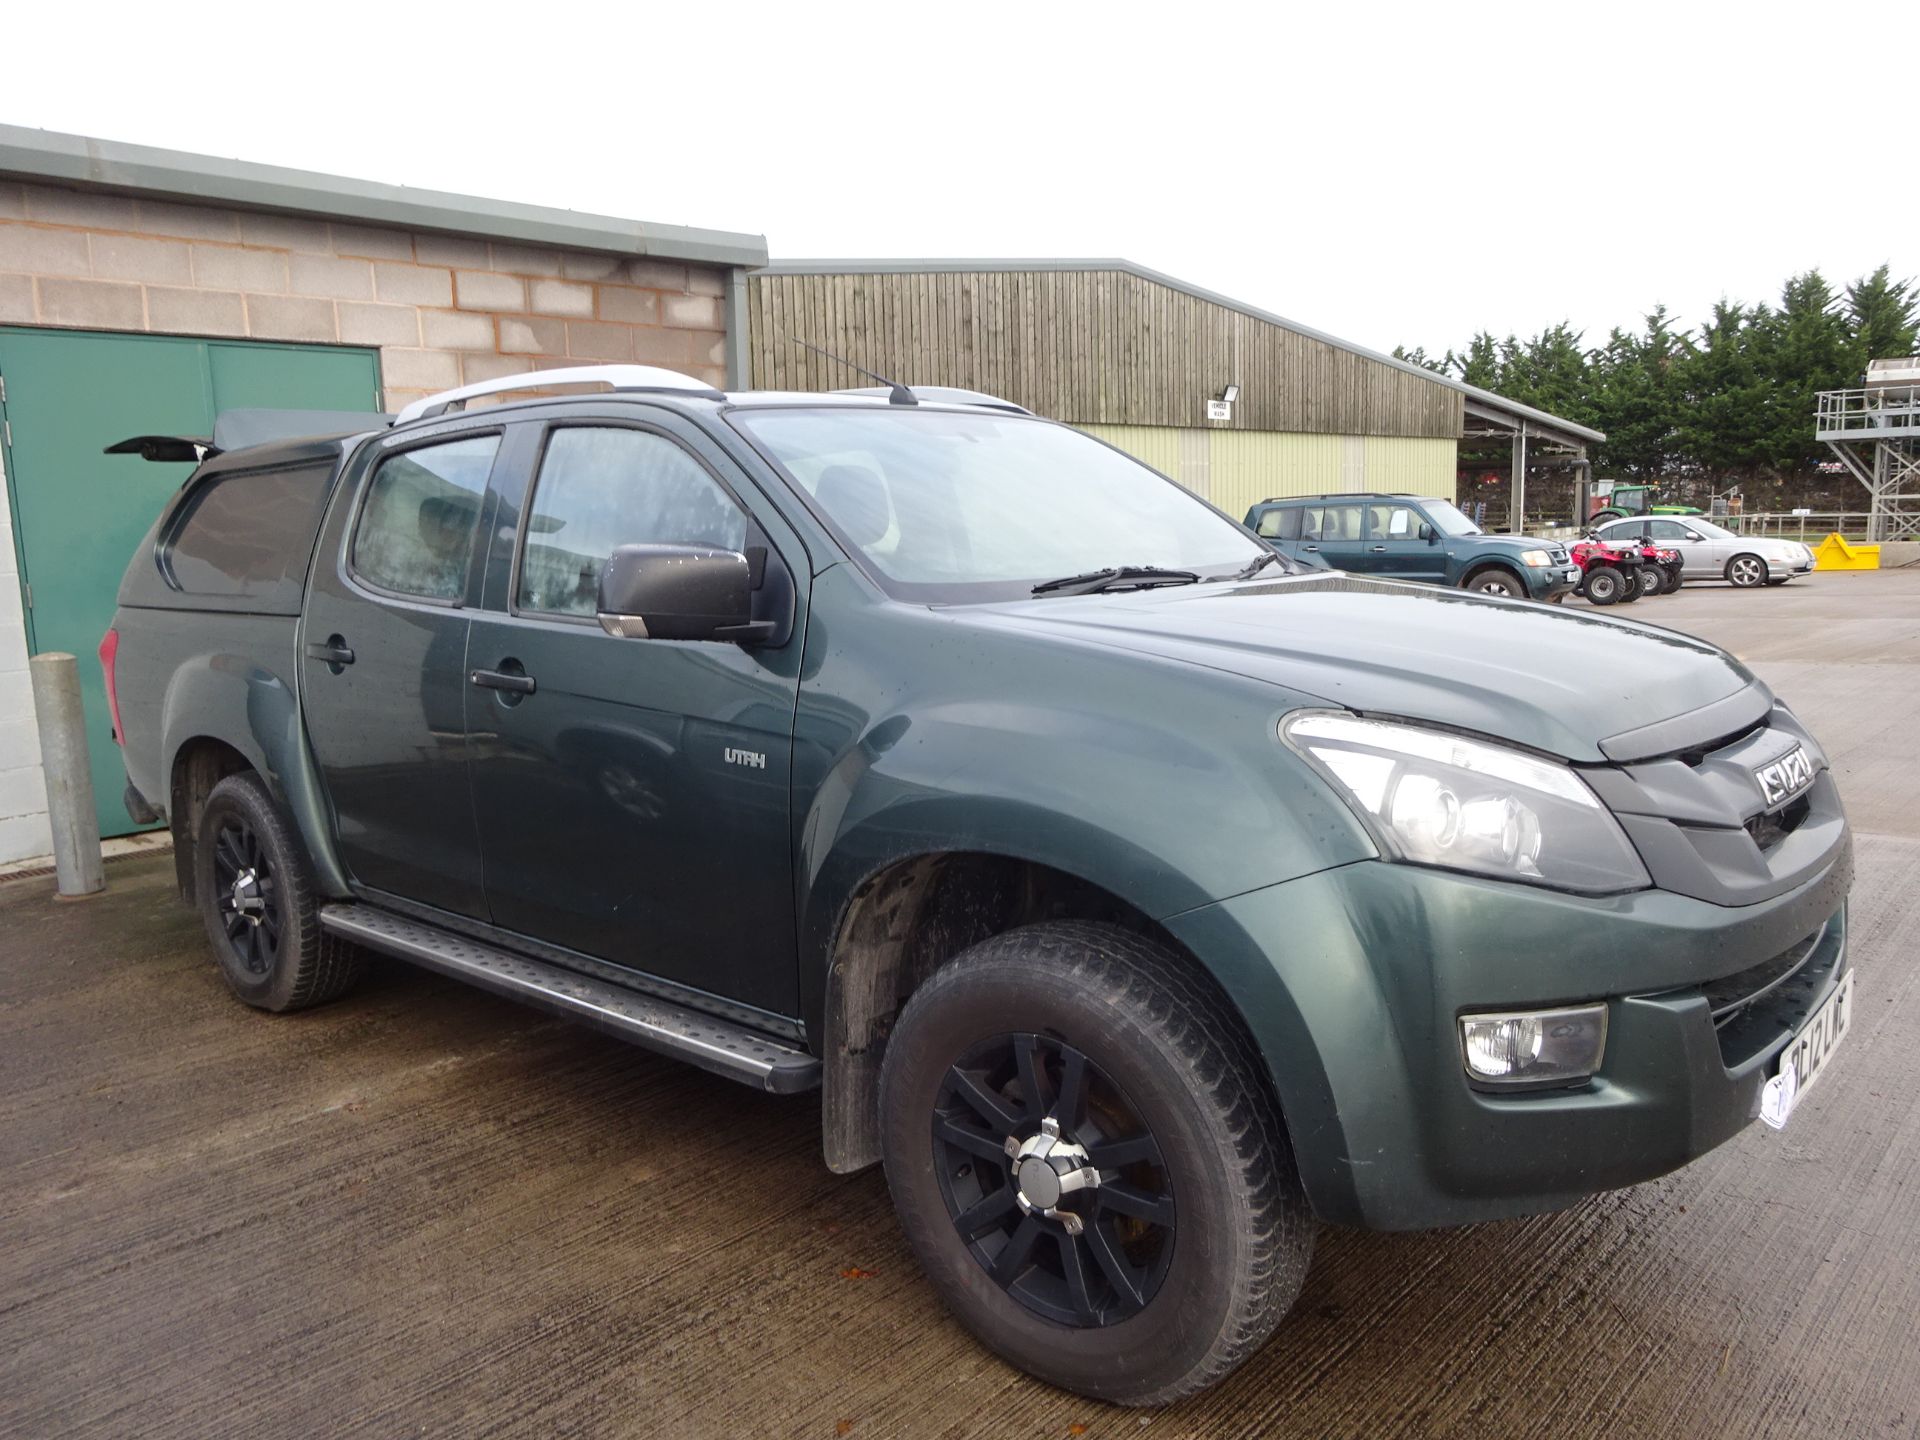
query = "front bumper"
{"x": 1375, "y": 962}
{"x": 1546, "y": 582}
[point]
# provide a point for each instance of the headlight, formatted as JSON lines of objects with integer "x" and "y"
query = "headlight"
{"x": 1536, "y": 558}
{"x": 1438, "y": 799}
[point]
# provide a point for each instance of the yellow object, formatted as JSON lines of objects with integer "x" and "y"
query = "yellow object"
{"x": 1834, "y": 553}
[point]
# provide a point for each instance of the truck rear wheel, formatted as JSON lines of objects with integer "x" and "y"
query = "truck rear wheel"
{"x": 256, "y": 897}
{"x": 1088, "y": 1166}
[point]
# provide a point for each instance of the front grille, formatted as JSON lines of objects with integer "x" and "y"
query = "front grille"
{"x": 1756, "y": 1007}
{"x": 1730, "y": 996}
{"x": 1768, "y": 830}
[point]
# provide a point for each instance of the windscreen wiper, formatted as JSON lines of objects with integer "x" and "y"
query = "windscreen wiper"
{"x": 1257, "y": 564}
{"x": 1115, "y": 577}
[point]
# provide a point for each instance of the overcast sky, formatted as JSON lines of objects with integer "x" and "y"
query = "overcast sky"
{"x": 1390, "y": 176}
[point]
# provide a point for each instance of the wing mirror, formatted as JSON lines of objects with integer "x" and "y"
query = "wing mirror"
{"x": 1428, "y": 533}
{"x": 680, "y": 592}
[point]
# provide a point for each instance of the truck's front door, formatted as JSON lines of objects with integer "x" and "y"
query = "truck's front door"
{"x": 383, "y": 678}
{"x": 632, "y": 794}
{"x": 1395, "y": 547}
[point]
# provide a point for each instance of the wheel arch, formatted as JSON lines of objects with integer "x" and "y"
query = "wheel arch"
{"x": 223, "y": 713}
{"x": 910, "y": 916}
{"x": 1505, "y": 567}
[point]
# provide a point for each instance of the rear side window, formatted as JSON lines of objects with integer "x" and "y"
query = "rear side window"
{"x": 247, "y": 535}
{"x": 1332, "y": 522}
{"x": 1280, "y": 524}
{"x": 420, "y": 516}
{"x": 602, "y": 488}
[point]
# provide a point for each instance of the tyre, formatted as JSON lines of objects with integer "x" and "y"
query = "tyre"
{"x": 256, "y": 896}
{"x": 1087, "y": 1164}
{"x": 1605, "y": 585}
{"x": 1675, "y": 578}
{"x": 1497, "y": 582}
{"x": 1652, "y": 580}
{"x": 1746, "y": 571}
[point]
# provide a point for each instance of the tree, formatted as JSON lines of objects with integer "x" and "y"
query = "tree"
{"x": 1884, "y": 315}
{"x": 1731, "y": 403}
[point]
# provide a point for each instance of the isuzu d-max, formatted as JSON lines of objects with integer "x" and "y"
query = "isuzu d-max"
{"x": 1137, "y": 900}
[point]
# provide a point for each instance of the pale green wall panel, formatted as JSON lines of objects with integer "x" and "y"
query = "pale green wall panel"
{"x": 1157, "y": 446}
{"x": 1236, "y": 469}
{"x": 1419, "y": 467}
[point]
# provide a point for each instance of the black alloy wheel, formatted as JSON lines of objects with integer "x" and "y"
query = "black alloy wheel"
{"x": 254, "y": 888}
{"x": 1053, "y": 1181}
{"x": 246, "y": 895}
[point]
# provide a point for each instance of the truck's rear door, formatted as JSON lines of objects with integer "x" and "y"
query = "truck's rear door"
{"x": 383, "y": 669}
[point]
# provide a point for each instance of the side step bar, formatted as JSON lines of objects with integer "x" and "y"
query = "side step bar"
{"x": 700, "y": 1039}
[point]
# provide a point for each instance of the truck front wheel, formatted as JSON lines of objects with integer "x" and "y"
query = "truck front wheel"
{"x": 1087, "y": 1164}
{"x": 256, "y": 896}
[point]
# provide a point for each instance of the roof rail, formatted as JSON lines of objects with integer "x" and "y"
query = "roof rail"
{"x": 619, "y": 377}
{"x": 946, "y": 395}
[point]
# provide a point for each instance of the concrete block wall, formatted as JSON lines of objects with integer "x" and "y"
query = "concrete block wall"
{"x": 443, "y": 310}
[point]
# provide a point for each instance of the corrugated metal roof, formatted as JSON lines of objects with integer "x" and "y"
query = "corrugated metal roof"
{"x": 1536, "y": 420}
{"x": 51, "y": 157}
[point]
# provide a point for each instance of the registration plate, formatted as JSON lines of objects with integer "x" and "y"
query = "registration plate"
{"x": 1807, "y": 1055}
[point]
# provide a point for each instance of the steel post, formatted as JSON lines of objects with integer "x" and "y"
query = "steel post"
{"x": 63, "y": 757}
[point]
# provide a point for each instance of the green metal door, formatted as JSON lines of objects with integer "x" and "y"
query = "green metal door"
{"x": 79, "y": 514}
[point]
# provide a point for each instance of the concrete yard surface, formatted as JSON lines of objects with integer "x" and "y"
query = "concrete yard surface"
{"x": 424, "y": 1211}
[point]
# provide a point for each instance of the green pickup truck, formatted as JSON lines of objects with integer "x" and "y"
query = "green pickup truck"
{"x": 1413, "y": 537}
{"x": 1137, "y": 899}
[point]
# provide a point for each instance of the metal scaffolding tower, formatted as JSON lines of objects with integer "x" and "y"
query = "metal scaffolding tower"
{"x": 1876, "y": 432}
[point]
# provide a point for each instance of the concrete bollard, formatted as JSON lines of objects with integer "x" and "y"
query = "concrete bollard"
{"x": 77, "y": 864}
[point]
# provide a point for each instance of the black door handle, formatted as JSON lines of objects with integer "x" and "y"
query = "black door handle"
{"x": 334, "y": 651}
{"x": 501, "y": 680}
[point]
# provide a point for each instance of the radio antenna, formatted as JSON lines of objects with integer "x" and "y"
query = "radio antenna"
{"x": 900, "y": 394}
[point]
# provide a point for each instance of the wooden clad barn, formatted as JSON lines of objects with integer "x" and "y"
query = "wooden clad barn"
{"x": 1136, "y": 357}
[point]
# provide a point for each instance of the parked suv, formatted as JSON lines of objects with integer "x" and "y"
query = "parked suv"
{"x": 1138, "y": 902}
{"x": 1413, "y": 537}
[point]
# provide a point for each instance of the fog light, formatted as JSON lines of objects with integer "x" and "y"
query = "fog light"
{"x": 1534, "y": 1047}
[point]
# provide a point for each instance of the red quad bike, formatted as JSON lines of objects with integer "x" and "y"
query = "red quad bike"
{"x": 1657, "y": 571}
{"x": 1607, "y": 576}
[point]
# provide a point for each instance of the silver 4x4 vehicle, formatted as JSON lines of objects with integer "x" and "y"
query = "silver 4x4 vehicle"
{"x": 1138, "y": 902}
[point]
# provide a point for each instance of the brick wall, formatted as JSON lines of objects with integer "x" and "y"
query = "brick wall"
{"x": 444, "y": 310}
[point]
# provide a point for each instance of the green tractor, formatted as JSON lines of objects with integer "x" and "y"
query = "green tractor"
{"x": 1624, "y": 501}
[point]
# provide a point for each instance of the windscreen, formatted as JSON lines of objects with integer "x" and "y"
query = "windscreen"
{"x": 953, "y": 507}
{"x": 1447, "y": 519}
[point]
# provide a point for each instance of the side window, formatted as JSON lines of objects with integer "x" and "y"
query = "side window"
{"x": 247, "y": 534}
{"x": 1280, "y": 523}
{"x": 1669, "y": 530}
{"x": 599, "y": 489}
{"x": 1341, "y": 522}
{"x": 418, "y": 521}
{"x": 1392, "y": 522}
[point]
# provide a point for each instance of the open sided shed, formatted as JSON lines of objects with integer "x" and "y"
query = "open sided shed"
{"x": 1146, "y": 362}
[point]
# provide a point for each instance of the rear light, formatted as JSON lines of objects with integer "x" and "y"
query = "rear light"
{"x": 109, "y": 653}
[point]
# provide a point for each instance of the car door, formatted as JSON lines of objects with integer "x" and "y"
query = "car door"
{"x": 632, "y": 794}
{"x": 1397, "y": 549}
{"x": 1338, "y": 538}
{"x": 1698, "y": 553}
{"x": 383, "y": 673}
